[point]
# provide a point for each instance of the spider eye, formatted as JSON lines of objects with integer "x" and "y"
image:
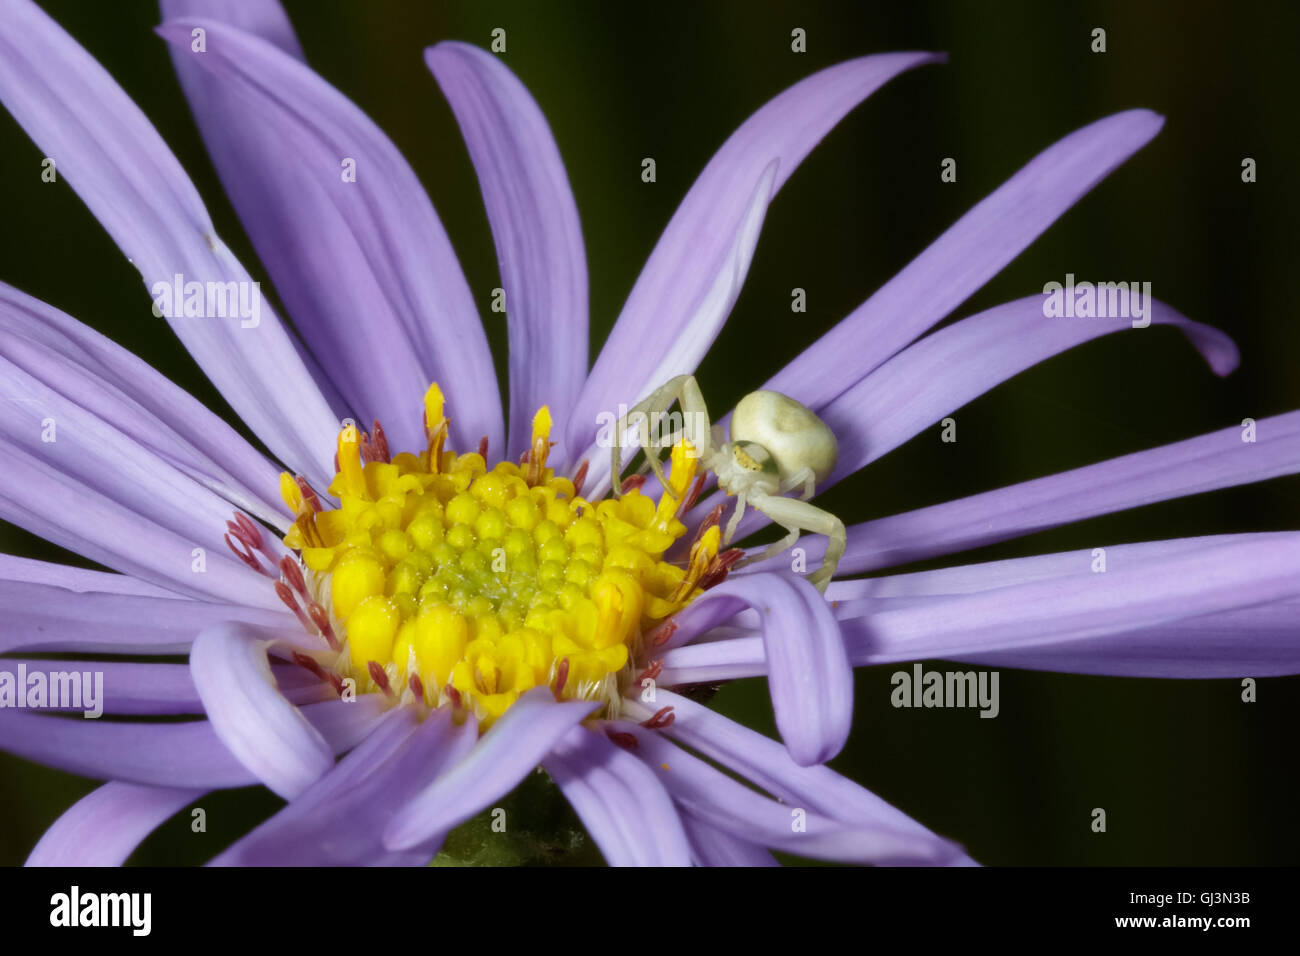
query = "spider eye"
{"x": 754, "y": 457}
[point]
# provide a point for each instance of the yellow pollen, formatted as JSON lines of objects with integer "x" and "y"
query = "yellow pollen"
{"x": 482, "y": 583}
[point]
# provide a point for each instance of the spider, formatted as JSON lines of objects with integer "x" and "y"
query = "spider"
{"x": 777, "y": 445}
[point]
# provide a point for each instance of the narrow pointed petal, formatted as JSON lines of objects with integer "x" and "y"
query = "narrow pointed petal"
{"x": 114, "y": 159}
{"x": 269, "y": 735}
{"x": 535, "y": 227}
{"x": 973, "y": 250}
{"x": 398, "y": 267}
{"x": 625, "y": 809}
{"x": 188, "y": 754}
{"x": 810, "y": 679}
{"x": 695, "y": 251}
{"x": 939, "y": 374}
{"x": 93, "y": 371}
{"x": 104, "y": 827}
{"x": 339, "y": 820}
{"x": 725, "y": 804}
{"x": 1220, "y": 459}
{"x": 514, "y": 745}
{"x": 1211, "y": 578}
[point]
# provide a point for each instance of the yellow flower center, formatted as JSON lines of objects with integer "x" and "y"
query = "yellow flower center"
{"x": 444, "y": 580}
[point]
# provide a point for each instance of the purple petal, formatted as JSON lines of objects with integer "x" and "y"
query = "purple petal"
{"x": 111, "y": 155}
{"x": 957, "y": 364}
{"x": 625, "y": 809}
{"x": 31, "y": 571}
{"x": 104, "y": 827}
{"x": 167, "y": 755}
{"x": 269, "y": 735}
{"x": 514, "y": 745}
{"x": 397, "y": 267}
{"x": 697, "y": 250}
{"x": 724, "y": 804}
{"x": 959, "y": 262}
{"x": 339, "y": 820}
{"x": 810, "y": 678}
{"x": 714, "y": 662}
{"x": 93, "y": 371}
{"x": 47, "y": 618}
{"x": 535, "y": 227}
{"x": 713, "y": 847}
{"x": 1217, "y": 460}
{"x": 1206, "y": 578}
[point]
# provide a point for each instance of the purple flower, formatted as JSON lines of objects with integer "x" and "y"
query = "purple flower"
{"x": 463, "y": 685}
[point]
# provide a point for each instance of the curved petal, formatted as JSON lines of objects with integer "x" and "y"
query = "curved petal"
{"x": 625, "y": 809}
{"x": 104, "y": 827}
{"x": 121, "y": 168}
{"x": 1220, "y": 459}
{"x": 338, "y": 820}
{"x": 535, "y": 227}
{"x": 1208, "y": 578}
{"x": 269, "y": 735}
{"x": 187, "y": 755}
{"x": 810, "y": 678}
{"x": 973, "y": 250}
{"x": 94, "y": 372}
{"x": 513, "y": 746}
{"x": 398, "y": 267}
{"x": 16, "y": 569}
{"x": 727, "y": 805}
{"x": 696, "y": 249}
{"x": 944, "y": 371}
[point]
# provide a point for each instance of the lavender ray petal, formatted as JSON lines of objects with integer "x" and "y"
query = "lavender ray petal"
{"x": 104, "y": 827}
{"x": 625, "y": 809}
{"x": 696, "y": 247}
{"x": 713, "y": 847}
{"x": 423, "y": 324}
{"x": 30, "y": 571}
{"x": 114, "y": 159}
{"x": 535, "y": 227}
{"x": 513, "y": 746}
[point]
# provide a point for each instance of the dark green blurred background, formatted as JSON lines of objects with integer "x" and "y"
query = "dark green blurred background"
{"x": 1187, "y": 773}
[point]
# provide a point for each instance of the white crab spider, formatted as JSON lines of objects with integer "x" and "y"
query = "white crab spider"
{"x": 777, "y": 445}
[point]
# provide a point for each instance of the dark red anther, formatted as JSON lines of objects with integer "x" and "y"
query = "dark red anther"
{"x": 561, "y": 678}
{"x": 719, "y": 568}
{"x": 623, "y": 739}
{"x": 365, "y": 449}
{"x": 454, "y": 694}
{"x": 417, "y": 686}
{"x": 308, "y": 495}
{"x": 311, "y": 664}
{"x": 660, "y": 635}
{"x": 580, "y": 478}
{"x": 380, "y": 677}
{"x": 633, "y": 483}
{"x": 246, "y": 555}
{"x": 483, "y": 447}
{"x": 293, "y": 575}
{"x": 251, "y": 533}
{"x": 652, "y": 672}
{"x": 286, "y": 595}
{"x": 379, "y": 442}
{"x": 662, "y": 718}
{"x": 336, "y": 680}
{"x": 710, "y": 520}
{"x": 694, "y": 496}
{"x": 321, "y": 619}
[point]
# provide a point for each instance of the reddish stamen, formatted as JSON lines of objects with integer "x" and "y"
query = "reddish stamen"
{"x": 321, "y": 619}
{"x": 652, "y": 672}
{"x": 719, "y": 568}
{"x": 694, "y": 496}
{"x": 483, "y": 447}
{"x": 380, "y": 677}
{"x": 561, "y": 678}
{"x": 293, "y": 574}
{"x": 633, "y": 483}
{"x": 308, "y": 495}
{"x": 454, "y": 694}
{"x": 380, "y": 442}
{"x": 286, "y": 595}
{"x": 580, "y": 478}
{"x": 246, "y": 556}
{"x": 417, "y": 686}
{"x": 662, "y": 718}
{"x": 661, "y": 634}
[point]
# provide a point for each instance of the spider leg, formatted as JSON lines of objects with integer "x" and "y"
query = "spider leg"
{"x": 805, "y": 477}
{"x": 801, "y": 515}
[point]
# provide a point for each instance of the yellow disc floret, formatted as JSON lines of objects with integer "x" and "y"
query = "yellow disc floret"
{"x": 472, "y": 586}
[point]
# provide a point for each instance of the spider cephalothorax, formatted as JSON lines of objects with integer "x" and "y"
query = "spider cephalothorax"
{"x": 777, "y": 445}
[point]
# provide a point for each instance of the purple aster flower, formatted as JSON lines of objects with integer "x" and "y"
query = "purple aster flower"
{"x": 381, "y": 627}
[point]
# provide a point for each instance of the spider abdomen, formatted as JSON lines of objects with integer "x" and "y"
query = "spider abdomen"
{"x": 790, "y": 432}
